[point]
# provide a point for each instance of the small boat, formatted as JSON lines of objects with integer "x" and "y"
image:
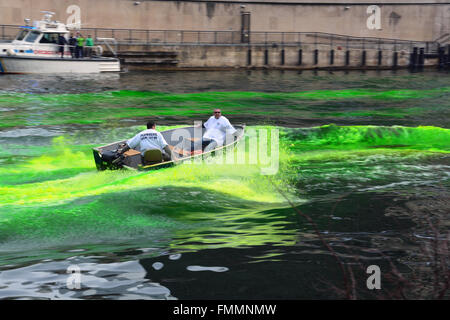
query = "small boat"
{"x": 35, "y": 50}
{"x": 179, "y": 140}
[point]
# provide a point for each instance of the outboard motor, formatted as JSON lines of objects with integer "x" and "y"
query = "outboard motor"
{"x": 112, "y": 160}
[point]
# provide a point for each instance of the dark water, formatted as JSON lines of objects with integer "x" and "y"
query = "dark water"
{"x": 364, "y": 155}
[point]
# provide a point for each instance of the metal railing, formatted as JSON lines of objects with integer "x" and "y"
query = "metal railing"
{"x": 186, "y": 37}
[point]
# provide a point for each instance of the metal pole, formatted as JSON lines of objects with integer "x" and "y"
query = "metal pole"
{"x": 363, "y": 58}
{"x": 421, "y": 58}
{"x": 413, "y": 58}
{"x": 441, "y": 52}
{"x": 448, "y": 57}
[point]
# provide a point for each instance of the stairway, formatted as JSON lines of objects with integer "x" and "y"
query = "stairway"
{"x": 148, "y": 58}
{"x": 443, "y": 39}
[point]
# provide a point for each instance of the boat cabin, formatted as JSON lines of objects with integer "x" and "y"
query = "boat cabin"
{"x": 43, "y": 31}
{"x": 28, "y": 35}
{"x": 39, "y": 39}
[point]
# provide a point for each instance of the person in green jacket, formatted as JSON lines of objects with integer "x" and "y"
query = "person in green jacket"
{"x": 89, "y": 44}
{"x": 80, "y": 45}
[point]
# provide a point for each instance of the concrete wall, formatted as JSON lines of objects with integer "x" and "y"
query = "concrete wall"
{"x": 216, "y": 56}
{"x": 403, "y": 19}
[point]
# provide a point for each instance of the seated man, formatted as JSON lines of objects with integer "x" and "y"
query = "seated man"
{"x": 217, "y": 127}
{"x": 149, "y": 139}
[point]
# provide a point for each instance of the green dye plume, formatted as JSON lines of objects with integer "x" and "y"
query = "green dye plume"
{"x": 95, "y": 108}
{"x": 59, "y": 197}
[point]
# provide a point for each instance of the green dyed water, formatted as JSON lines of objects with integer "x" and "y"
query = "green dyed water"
{"x": 353, "y": 150}
{"x": 100, "y": 108}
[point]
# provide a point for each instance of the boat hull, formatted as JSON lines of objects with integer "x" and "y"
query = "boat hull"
{"x": 14, "y": 64}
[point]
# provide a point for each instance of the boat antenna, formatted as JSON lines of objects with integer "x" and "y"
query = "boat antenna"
{"x": 47, "y": 15}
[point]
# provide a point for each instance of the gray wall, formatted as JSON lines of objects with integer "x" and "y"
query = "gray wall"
{"x": 403, "y": 19}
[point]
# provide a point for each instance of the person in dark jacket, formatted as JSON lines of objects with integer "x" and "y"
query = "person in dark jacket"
{"x": 61, "y": 43}
{"x": 72, "y": 45}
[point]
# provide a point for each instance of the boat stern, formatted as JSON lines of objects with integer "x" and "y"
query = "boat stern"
{"x": 99, "y": 163}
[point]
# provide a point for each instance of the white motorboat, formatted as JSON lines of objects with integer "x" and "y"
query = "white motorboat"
{"x": 35, "y": 50}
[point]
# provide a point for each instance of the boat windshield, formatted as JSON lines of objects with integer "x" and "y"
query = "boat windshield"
{"x": 49, "y": 38}
{"x": 32, "y": 36}
{"x": 21, "y": 35}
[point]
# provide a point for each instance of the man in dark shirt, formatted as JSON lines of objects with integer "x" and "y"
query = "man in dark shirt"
{"x": 72, "y": 45}
{"x": 61, "y": 44}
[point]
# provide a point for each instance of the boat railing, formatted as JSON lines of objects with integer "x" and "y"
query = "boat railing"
{"x": 233, "y": 38}
{"x": 108, "y": 42}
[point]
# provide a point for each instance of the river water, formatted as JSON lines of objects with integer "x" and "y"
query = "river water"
{"x": 364, "y": 155}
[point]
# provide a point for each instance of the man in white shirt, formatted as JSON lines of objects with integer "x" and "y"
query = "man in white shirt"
{"x": 217, "y": 128}
{"x": 149, "y": 139}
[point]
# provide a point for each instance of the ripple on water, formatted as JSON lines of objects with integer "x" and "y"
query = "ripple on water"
{"x": 27, "y": 132}
{"x": 203, "y": 268}
{"x": 50, "y": 281}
